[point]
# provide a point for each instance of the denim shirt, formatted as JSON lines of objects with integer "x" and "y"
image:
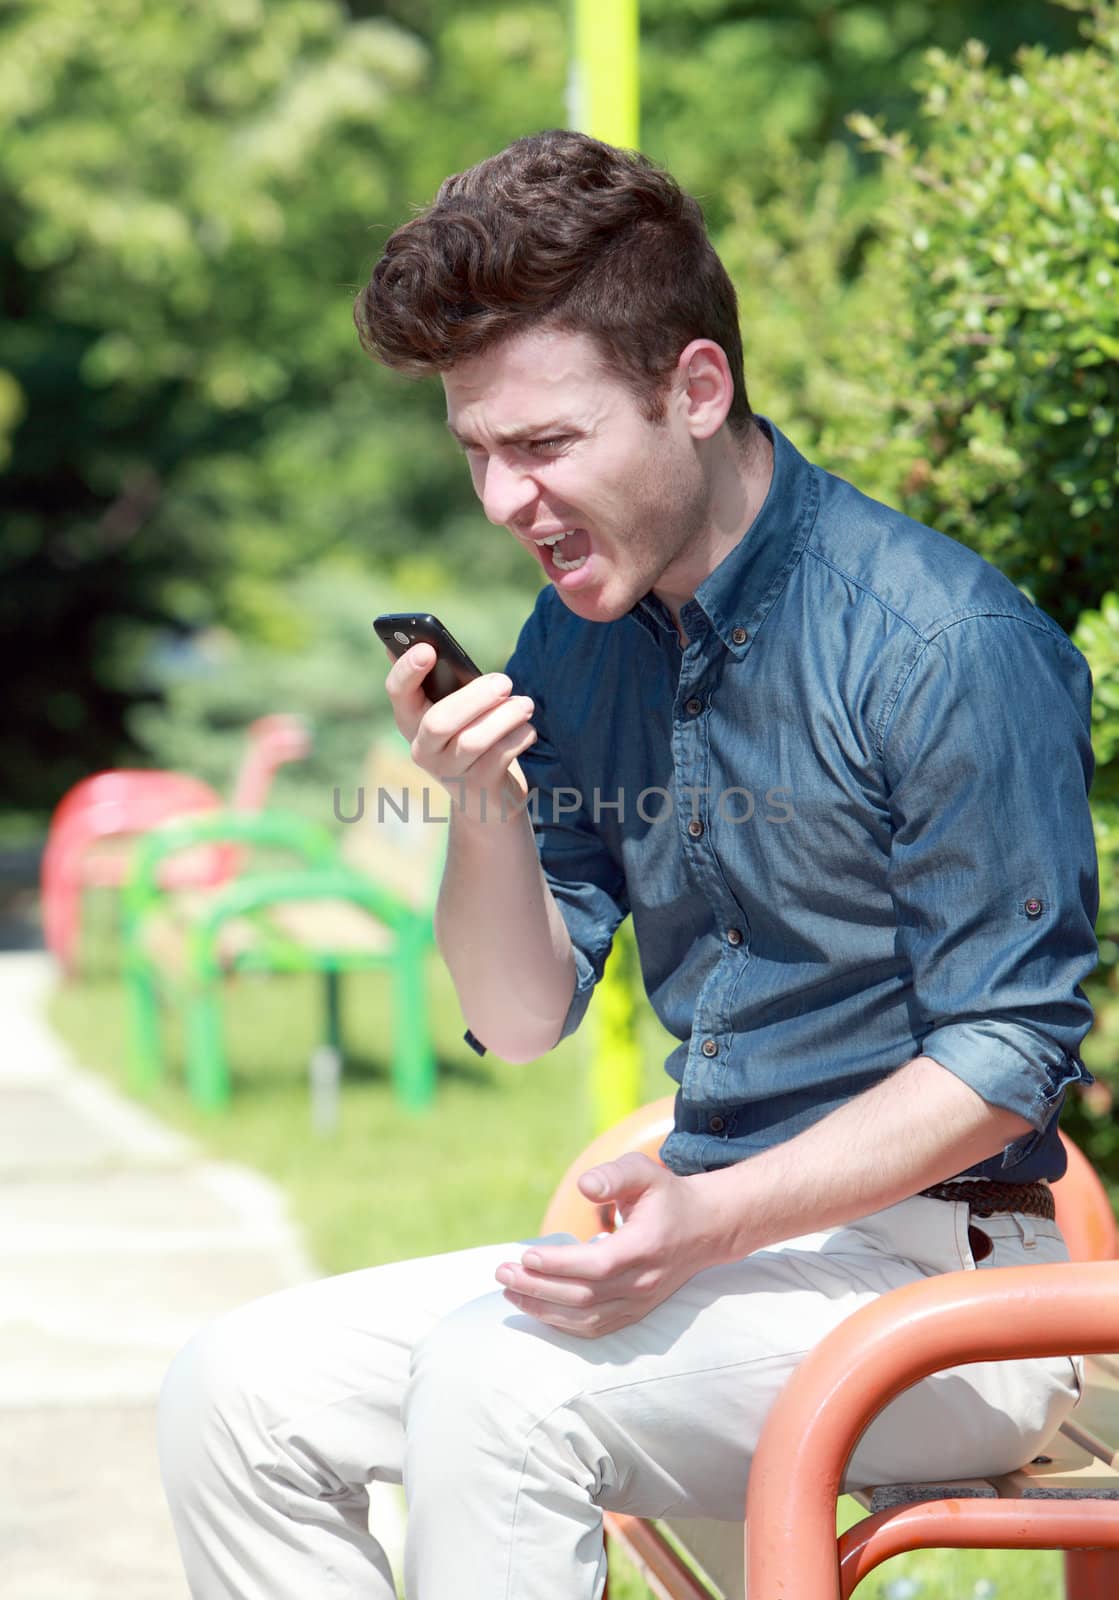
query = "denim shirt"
{"x": 849, "y": 820}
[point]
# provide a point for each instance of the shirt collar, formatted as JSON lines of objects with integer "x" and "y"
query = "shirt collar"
{"x": 736, "y": 597}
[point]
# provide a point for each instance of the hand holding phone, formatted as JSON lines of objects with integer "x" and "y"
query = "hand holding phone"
{"x": 471, "y": 748}
{"x": 453, "y": 669}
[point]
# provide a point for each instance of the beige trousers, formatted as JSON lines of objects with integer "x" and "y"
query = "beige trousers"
{"x": 510, "y": 1438}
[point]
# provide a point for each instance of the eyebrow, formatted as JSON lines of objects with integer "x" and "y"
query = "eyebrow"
{"x": 518, "y": 435}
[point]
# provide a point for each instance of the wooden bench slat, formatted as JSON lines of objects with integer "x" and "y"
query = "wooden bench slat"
{"x": 1078, "y": 1466}
{"x": 1095, "y": 1422}
{"x": 167, "y": 932}
{"x": 396, "y": 864}
{"x": 1102, "y": 1373}
{"x": 716, "y": 1548}
{"x": 885, "y": 1496}
{"x": 401, "y": 852}
{"x": 320, "y": 925}
{"x": 1093, "y": 1481}
{"x": 1107, "y": 1366}
{"x": 663, "y": 1571}
{"x": 1070, "y": 1472}
{"x": 331, "y": 925}
{"x": 1091, "y": 1442}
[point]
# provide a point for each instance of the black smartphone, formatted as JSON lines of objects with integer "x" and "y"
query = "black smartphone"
{"x": 453, "y": 668}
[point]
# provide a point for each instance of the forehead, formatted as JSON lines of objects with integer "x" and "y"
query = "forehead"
{"x": 537, "y": 378}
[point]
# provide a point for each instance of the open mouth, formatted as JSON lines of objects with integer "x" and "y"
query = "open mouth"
{"x": 567, "y": 551}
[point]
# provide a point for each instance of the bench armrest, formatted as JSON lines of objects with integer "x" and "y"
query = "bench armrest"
{"x": 946, "y": 1321}
{"x": 265, "y": 889}
{"x": 280, "y": 829}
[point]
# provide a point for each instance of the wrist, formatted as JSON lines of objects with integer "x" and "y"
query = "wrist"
{"x": 485, "y": 824}
{"x": 724, "y": 1234}
{"x": 482, "y": 807}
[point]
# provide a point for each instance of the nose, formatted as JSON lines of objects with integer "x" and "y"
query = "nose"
{"x": 504, "y": 492}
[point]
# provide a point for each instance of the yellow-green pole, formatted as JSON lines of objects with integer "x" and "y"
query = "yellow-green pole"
{"x": 604, "y": 98}
{"x": 604, "y": 102}
{"x": 615, "y": 1078}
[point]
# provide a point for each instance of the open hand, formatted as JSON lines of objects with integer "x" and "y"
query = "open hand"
{"x": 591, "y": 1289}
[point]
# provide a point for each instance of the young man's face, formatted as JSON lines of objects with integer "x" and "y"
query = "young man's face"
{"x": 630, "y": 494}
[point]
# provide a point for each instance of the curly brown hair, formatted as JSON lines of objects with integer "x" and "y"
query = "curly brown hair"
{"x": 560, "y": 231}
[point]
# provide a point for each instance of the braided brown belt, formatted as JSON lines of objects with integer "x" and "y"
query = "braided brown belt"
{"x": 986, "y": 1197}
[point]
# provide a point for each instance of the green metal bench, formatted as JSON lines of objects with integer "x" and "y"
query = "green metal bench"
{"x": 319, "y": 914}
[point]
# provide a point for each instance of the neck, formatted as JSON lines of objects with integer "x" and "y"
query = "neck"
{"x": 740, "y": 474}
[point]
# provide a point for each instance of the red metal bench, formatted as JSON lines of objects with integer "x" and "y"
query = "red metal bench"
{"x": 1067, "y": 1501}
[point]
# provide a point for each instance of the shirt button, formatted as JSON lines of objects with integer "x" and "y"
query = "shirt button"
{"x": 1033, "y": 908}
{"x": 734, "y": 937}
{"x": 695, "y": 828}
{"x": 709, "y": 1047}
{"x": 716, "y": 1124}
{"x": 739, "y": 635}
{"x": 694, "y": 707}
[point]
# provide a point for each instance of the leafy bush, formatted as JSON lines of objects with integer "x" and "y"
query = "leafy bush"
{"x": 950, "y": 339}
{"x": 1094, "y": 1122}
{"x": 998, "y": 271}
{"x": 998, "y": 370}
{"x": 954, "y": 349}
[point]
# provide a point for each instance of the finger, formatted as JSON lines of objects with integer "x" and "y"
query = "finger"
{"x": 624, "y": 1179}
{"x": 409, "y": 669}
{"x": 456, "y": 711}
{"x": 475, "y": 741}
{"x": 462, "y": 727}
{"x": 592, "y": 1324}
{"x": 571, "y": 1296}
{"x": 606, "y": 1258}
{"x": 484, "y": 751}
{"x": 404, "y": 685}
{"x": 488, "y": 769}
{"x": 574, "y": 1293}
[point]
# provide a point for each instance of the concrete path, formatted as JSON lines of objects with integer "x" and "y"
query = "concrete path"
{"x": 118, "y": 1239}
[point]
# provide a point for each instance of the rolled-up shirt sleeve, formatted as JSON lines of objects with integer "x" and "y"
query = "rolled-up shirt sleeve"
{"x": 586, "y": 881}
{"x": 993, "y": 867}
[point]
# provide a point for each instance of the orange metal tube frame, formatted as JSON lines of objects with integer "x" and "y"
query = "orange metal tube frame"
{"x": 960, "y": 1317}
{"x": 1091, "y": 1574}
{"x": 975, "y": 1524}
{"x": 663, "y": 1571}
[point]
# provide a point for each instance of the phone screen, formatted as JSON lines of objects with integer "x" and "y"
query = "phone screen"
{"x": 453, "y": 669}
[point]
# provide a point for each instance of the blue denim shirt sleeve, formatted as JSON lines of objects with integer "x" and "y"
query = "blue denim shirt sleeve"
{"x": 586, "y": 882}
{"x": 993, "y": 869}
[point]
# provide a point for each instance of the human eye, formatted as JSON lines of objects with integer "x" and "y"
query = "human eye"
{"x": 547, "y": 446}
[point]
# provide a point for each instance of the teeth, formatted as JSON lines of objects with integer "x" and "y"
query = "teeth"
{"x": 553, "y": 540}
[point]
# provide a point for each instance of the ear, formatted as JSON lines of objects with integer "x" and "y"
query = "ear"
{"x": 706, "y": 387}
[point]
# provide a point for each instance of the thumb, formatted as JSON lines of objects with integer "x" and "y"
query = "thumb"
{"x": 624, "y": 1179}
{"x": 420, "y": 658}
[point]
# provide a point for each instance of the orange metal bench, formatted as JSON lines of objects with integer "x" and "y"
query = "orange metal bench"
{"x": 1068, "y": 1500}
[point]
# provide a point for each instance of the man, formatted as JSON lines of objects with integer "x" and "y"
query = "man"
{"x": 836, "y": 768}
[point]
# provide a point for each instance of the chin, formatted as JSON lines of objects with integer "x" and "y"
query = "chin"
{"x": 597, "y": 607}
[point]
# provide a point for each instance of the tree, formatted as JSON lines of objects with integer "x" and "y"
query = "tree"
{"x": 189, "y": 200}
{"x": 725, "y": 82}
{"x": 183, "y": 197}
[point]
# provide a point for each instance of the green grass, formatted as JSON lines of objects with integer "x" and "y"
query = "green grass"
{"x": 479, "y": 1166}
{"x": 933, "y": 1574}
